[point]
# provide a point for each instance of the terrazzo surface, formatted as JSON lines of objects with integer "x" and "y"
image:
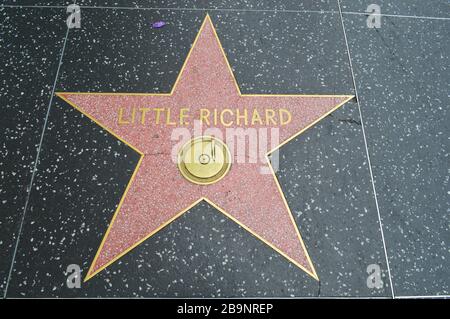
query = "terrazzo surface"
{"x": 401, "y": 77}
{"x": 319, "y": 5}
{"x": 411, "y": 8}
{"x": 30, "y": 49}
{"x": 409, "y": 147}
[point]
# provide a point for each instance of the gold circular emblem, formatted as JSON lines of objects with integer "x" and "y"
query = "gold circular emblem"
{"x": 204, "y": 160}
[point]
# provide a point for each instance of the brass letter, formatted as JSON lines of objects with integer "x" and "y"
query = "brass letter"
{"x": 256, "y": 117}
{"x": 222, "y": 117}
{"x": 121, "y": 120}
{"x": 204, "y": 116}
{"x": 183, "y": 115}
{"x": 144, "y": 111}
{"x": 289, "y": 117}
{"x": 270, "y": 114}
{"x": 158, "y": 114}
{"x": 244, "y": 116}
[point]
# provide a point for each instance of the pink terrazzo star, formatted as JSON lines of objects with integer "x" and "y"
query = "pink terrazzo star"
{"x": 157, "y": 193}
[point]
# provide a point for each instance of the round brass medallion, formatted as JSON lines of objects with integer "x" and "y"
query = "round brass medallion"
{"x": 204, "y": 160}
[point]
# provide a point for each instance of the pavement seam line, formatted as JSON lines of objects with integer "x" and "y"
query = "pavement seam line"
{"x": 369, "y": 164}
{"x": 30, "y": 187}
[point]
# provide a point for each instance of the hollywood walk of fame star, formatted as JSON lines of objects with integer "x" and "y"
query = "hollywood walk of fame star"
{"x": 157, "y": 193}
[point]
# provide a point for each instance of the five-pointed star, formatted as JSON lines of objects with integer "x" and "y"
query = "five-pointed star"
{"x": 157, "y": 193}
